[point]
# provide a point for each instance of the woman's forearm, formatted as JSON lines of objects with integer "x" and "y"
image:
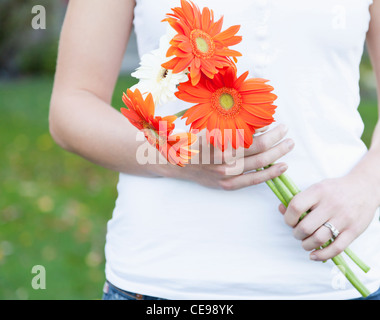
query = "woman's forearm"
{"x": 84, "y": 124}
{"x": 88, "y": 65}
{"x": 367, "y": 171}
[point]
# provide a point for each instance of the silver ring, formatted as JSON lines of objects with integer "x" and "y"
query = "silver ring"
{"x": 335, "y": 232}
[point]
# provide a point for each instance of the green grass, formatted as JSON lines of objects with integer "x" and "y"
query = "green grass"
{"x": 369, "y": 111}
{"x": 54, "y": 206}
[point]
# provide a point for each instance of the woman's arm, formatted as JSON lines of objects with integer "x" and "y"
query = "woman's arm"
{"x": 349, "y": 203}
{"x": 92, "y": 45}
{"x": 373, "y": 46}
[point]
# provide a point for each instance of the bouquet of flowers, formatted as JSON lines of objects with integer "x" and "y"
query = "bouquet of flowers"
{"x": 194, "y": 63}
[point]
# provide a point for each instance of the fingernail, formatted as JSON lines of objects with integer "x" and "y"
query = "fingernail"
{"x": 290, "y": 144}
{"x": 283, "y": 168}
{"x": 313, "y": 257}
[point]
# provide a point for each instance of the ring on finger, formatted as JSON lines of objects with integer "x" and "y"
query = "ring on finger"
{"x": 335, "y": 232}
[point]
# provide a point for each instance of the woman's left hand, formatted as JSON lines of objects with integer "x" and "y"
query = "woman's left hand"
{"x": 347, "y": 203}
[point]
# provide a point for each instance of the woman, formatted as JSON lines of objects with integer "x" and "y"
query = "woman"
{"x": 196, "y": 232}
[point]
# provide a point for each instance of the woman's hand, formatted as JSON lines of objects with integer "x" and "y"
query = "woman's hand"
{"x": 347, "y": 203}
{"x": 234, "y": 170}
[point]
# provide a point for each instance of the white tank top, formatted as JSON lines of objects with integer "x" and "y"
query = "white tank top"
{"x": 178, "y": 240}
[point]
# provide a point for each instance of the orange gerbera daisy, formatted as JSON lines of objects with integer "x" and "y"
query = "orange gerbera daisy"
{"x": 157, "y": 130}
{"x": 199, "y": 44}
{"x": 230, "y": 108}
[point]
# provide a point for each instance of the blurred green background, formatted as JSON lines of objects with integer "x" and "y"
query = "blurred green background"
{"x": 54, "y": 206}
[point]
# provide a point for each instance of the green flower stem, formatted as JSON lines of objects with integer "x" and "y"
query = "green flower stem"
{"x": 273, "y": 187}
{"x": 281, "y": 187}
{"x": 349, "y": 274}
{"x": 285, "y": 189}
{"x": 290, "y": 184}
{"x": 357, "y": 260}
{"x": 325, "y": 246}
{"x": 181, "y": 113}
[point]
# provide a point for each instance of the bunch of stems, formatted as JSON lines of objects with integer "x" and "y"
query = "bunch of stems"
{"x": 285, "y": 189}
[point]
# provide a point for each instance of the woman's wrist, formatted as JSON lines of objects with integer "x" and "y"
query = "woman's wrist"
{"x": 366, "y": 175}
{"x": 164, "y": 170}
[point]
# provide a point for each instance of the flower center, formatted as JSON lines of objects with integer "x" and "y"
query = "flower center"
{"x": 162, "y": 74}
{"x": 202, "y": 44}
{"x": 227, "y": 101}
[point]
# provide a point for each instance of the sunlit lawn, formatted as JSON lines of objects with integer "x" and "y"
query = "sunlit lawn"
{"x": 54, "y": 206}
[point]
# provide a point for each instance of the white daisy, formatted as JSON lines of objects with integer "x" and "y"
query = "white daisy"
{"x": 153, "y": 78}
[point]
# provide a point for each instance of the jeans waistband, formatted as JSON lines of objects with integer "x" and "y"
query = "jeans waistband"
{"x": 108, "y": 286}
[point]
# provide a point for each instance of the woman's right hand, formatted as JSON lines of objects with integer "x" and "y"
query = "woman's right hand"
{"x": 238, "y": 170}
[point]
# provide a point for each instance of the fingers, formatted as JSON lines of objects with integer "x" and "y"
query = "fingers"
{"x": 238, "y": 169}
{"x": 328, "y": 201}
{"x": 253, "y": 178}
{"x": 312, "y": 222}
{"x": 320, "y": 237}
{"x": 265, "y": 150}
{"x": 300, "y": 204}
{"x": 315, "y": 236}
{"x": 335, "y": 248}
{"x": 262, "y": 130}
{"x": 267, "y": 157}
{"x": 266, "y": 140}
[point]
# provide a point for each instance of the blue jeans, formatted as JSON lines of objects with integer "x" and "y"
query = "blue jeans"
{"x": 110, "y": 292}
{"x": 373, "y": 296}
